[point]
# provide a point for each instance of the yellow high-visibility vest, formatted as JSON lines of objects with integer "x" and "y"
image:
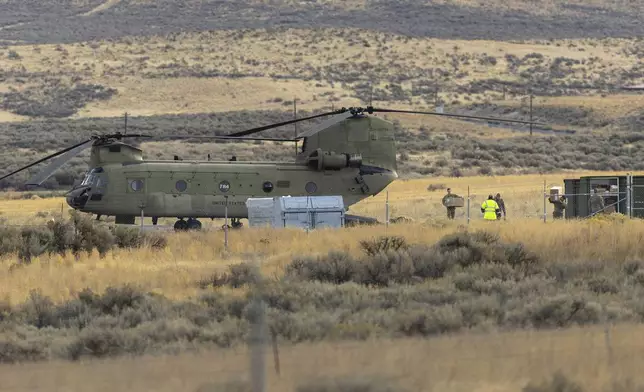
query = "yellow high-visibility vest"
{"x": 490, "y": 208}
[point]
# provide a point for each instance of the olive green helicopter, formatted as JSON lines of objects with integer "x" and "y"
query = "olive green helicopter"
{"x": 352, "y": 154}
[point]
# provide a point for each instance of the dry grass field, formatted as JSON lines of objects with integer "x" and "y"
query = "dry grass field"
{"x": 499, "y": 362}
{"x": 189, "y": 257}
{"x": 427, "y": 305}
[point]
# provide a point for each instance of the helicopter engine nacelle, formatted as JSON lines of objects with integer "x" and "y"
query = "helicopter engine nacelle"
{"x": 325, "y": 160}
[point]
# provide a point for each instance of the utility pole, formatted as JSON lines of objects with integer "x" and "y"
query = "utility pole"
{"x": 531, "y": 112}
{"x": 295, "y": 124}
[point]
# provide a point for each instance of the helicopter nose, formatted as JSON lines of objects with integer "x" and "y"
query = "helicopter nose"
{"x": 77, "y": 198}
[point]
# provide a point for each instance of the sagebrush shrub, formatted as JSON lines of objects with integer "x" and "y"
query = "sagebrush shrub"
{"x": 383, "y": 244}
{"x": 349, "y": 384}
{"x": 558, "y": 383}
{"x": 78, "y": 234}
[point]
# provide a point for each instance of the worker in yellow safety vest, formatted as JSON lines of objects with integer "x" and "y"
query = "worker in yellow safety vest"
{"x": 490, "y": 208}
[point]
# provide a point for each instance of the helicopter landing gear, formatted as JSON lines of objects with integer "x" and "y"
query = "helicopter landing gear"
{"x": 180, "y": 225}
{"x": 235, "y": 223}
{"x": 194, "y": 224}
{"x": 191, "y": 224}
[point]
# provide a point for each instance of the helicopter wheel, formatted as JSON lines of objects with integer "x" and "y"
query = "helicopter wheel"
{"x": 181, "y": 225}
{"x": 236, "y": 224}
{"x": 193, "y": 224}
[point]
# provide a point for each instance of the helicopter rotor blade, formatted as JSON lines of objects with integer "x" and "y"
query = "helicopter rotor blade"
{"x": 227, "y": 137}
{"x": 46, "y": 158}
{"x": 371, "y": 109}
{"x": 56, "y": 164}
{"x": 265, "y": 127}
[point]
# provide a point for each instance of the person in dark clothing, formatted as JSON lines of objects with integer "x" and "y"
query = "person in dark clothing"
{"x": 451, "y": 211}
{"x": 501, "y": 203}
{"x": 560, "y": 206}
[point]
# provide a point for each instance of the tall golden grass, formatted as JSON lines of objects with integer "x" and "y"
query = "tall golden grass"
{"x": 496, "y": 362}
{"x": 190, "y": 257}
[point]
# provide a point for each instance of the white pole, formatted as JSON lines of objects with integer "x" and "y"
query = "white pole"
{"x": 545, "y": 195}
{"x": 387, "y": 210}
{"x": 142, "y": 216}
{"x": 308, "y": 215}
{"x": 226, "y": 224}
{"x": 628, "y": 194}
{"x": 468, "y": 204}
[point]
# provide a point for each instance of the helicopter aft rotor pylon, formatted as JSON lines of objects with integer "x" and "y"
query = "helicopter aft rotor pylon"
{"x": 353, "y": 154}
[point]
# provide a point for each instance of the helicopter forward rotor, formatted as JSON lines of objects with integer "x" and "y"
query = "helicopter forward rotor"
{"x": 64, "y": 156}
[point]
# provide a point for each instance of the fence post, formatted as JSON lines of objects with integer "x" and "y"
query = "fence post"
{"x": 628, "y": 194}
{"x": 468, "y": 204}
{"x": 276, "y": 353}
{"x": 545, "y": 195}
{"x": 258, "y": 339}
{"x": 387, "y": 210}
{"x": 226, "y": 224}
{"x": 607, "y": 337}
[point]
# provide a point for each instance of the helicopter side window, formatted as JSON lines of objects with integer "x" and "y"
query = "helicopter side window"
{"x": 135, "y": 185}
{"x": 310, "y": 187}
{"x": 181, "y": 185}
{"x": 267, "y": 187}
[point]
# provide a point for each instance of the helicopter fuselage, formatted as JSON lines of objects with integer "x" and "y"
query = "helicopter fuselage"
{"x": 205, "y": 189}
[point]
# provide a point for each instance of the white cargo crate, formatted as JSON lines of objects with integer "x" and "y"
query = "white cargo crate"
{"x": 260, "y": 211}
{"x": 300, "y": 211}
{"x": 310, "y": 211}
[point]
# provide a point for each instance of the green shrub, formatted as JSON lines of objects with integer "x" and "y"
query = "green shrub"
{"x": 558, "y": 383}
{"x": 349, "y": 384}
{"x": 336, "y": 267}
{"x": 238, "y": 275}
{"x": 390, "y": 260}
{"x": 79, "y": 234}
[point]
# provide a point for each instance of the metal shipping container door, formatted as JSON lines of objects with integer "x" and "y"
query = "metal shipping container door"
{"x": 571, "y": 190}
{"x": 622, "y": 195}
{"x": 638, "y": 197}
{"x": 584, "y": 197}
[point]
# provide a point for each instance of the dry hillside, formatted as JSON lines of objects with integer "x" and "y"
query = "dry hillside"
{"x": 223, "y": 81}
{"x": 72, "y": 20}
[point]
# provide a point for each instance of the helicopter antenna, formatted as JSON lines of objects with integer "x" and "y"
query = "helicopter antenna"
{"x": 370, "y": 93}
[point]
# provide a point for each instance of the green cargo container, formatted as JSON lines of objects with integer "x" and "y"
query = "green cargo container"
{"x": 614, "y": 190}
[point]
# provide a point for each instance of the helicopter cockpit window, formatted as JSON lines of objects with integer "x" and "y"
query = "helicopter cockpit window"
{"x": 93, "y": 177}
{"x": 181, "y": 185}
{"x": 136, "y": 185}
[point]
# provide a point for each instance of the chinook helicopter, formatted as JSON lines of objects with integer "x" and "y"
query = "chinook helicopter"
{"x": 352, "y": 154}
